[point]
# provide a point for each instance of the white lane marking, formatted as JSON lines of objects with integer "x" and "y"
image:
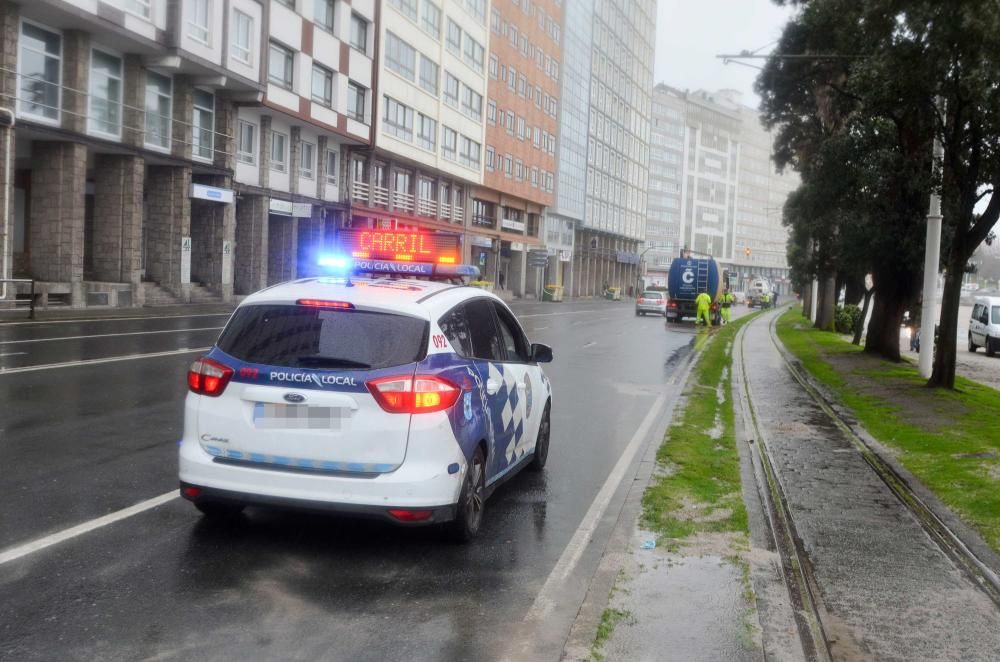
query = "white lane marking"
{"x": 109, "y": 335}
{"x": 14, "y": 354}
{"x": 109, "y": 359}
{"x": 20, "y": 551}
{"x": 78, "y": 320}
{"x": 590, "y": 344}
{"x": 568, "y": 312}
{"x": 546, "y": 598}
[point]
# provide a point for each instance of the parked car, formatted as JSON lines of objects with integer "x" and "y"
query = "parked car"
{"x": 652, "y": 303}
{"x": 984, "y": 325}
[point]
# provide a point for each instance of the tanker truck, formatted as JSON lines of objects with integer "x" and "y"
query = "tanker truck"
{"x": 688, "y": 277}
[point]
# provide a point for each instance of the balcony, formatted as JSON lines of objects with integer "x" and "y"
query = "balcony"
{"x": 403, "y": 201}
{"x": 359, "y": 191}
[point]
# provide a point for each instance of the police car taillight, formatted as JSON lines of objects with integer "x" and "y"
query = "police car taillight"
{"x": 208, "y": 377}
{"x": 422, "y": 394}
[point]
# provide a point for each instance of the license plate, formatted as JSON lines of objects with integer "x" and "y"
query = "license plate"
{"x": 270, "y": 416}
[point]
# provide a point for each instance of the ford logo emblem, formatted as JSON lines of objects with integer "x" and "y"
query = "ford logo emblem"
{"x": 295, "y": 397}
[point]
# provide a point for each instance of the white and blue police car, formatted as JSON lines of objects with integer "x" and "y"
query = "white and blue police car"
{"x": 398, "y": 398}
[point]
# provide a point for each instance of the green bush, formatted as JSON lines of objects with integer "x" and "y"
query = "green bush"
{"x": 845, "y": 318}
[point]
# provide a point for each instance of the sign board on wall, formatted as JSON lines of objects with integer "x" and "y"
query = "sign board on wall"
{"x": 227, "y": 262}
{"x": 302, "y": 210}
{"x": 185, "y": 260}
{"x": 211, "y": 193}
{"x": 508, "y": 224}
{"x": 516, "y": 246}
{"x": 565, "y": 256}
{"x": 478, "y": 240}
{"x": 281, "y": 207}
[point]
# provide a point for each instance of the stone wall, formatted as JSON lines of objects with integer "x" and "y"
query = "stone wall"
{"x": 76, "y": 77}
{"x": 58, "y": 187}
{"x": 251, "y": 244}
{"x": 118, "y": 212}
{"x": 168, "y": 220}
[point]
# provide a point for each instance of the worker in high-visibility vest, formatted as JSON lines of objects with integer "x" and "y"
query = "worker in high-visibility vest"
{"x": 704, "y": 303}
{"x": 725, "y": 303}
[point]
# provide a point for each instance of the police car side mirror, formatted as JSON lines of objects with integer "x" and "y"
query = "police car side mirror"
{"x": 541, "y": 353}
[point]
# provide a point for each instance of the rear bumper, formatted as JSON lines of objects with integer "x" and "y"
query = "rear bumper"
{"x": 439, "y": 514}
{"x": 659, "y": 310}
{"x": 421, "y": 482}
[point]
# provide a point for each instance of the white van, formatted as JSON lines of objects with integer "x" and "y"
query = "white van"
{"x": 984, "y": 326}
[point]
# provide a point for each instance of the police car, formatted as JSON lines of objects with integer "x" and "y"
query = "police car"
{"x": 403, "y": 399}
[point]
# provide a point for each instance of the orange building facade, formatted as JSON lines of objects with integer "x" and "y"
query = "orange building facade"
{"x": 522, "y": 119}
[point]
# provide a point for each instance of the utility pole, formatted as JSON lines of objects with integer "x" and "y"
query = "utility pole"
{"x": 932, "y": 255}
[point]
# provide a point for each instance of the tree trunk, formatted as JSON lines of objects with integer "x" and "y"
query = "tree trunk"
{"x": 883, "y": 330}
{"x": 827, "y": 303}
{"x": 807, "y": 292}
{"x": 860, "y": 327}
{"x": 944, "y": 360}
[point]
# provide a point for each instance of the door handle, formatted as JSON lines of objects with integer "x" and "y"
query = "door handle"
{"x": 492, "y": 386}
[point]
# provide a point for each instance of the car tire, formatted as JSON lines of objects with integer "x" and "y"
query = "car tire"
{"x": 541, "y": 455}
{"x": 972, "y": 346}
{"x": 990, "y": 350}
{"x": 469, "y": 509}
{"x": 219, "y": 510}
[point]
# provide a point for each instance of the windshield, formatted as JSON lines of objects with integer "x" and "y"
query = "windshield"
{"x": 304, "y": 337}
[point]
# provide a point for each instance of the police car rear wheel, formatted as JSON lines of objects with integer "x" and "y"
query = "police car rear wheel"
{"x": 542, "y": 445}
{"x": 219, "y": 509}
{"x": 469, "y": 515}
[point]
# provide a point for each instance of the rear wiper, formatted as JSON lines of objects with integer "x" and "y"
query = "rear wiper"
{"x": 317, "y": 360}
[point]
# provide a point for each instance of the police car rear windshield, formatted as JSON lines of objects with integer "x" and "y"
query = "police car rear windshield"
{"x": 323, "y": 339}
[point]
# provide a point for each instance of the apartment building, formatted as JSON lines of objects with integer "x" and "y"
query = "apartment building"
{"x": 289, "y": 148}
{"x": 713, "y": 188}
{"x": 616, "y": 73}
{"x": 521, "y": 135}
{"x": 429, "y": 118}
{"x": 121, "y": 158}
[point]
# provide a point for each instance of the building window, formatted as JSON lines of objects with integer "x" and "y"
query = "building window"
{"x": 356, "y": 101}
{"x": 279, "y": 152}
{"x": 495, "y": 21}
{"x": 491, "y": 112}
{"x": 426, "y": 132}
{"x": 454, "y": 38}
{"x": 288, "y": 3}
{"x": 522, "y": 86}
{"x": 520, "y": 128}
{"x": 323, "y": 12}
{"x": 203, "y": 125}
{"x": 400, "y": 56}
{"x": 407, "y": 7}
{"x": 508, "y": 165}
{"x": 39, "y": 72}
{"x": 490, "y": 154}
{"x": 534, "y": 177}
{"x": 199, "y": 14}
{"x": 450, "y": 89}
{"x": 138, "y": 7}
{"x": 429, "y": 75}
{"x": 483, "y": 213}
{"x": 494, "y": 67}
{"x": 322, "y": 86}
{"x": 511, "y": 78}
{"x": 246, "y": 143}
{"x": 280, "y": 66}
{"x": 242, "y": 37}
{"x": 477, "y": 8}
{"x": 398, "y": 119}
{"x": 307, "y": 159}
{"x": 472, "y": 103}
{"x": 449, "y": 143}
{"x": 158, "y": 102}
{"x": 474, "y": 53}
{"x": 105, "y": 93}
{"x": 359, "y": 33}
{"x": 425, "y": 189}
{"x": 509, "y": 122}
{"x": 431, "y": 19}
{"x": 469, "y": 156}
{"x": 332, "y": 165}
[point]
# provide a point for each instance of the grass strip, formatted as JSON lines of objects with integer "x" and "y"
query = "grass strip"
{"x": 698, "y": 490}
{"x": 610, "y": 618}
{"x": 949, "y": 440}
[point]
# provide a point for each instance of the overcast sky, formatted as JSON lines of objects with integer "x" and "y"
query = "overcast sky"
{"x": 690, "y": 33}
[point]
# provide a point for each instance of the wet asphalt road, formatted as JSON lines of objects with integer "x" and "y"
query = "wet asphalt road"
{"x": 81, "y": 440}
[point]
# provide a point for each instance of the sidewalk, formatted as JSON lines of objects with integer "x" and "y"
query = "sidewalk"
{"x": 55, "y": 314}
{"x": 885, "y": 589}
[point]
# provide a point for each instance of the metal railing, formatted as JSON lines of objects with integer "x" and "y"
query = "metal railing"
{"x": 31, "y": 301}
